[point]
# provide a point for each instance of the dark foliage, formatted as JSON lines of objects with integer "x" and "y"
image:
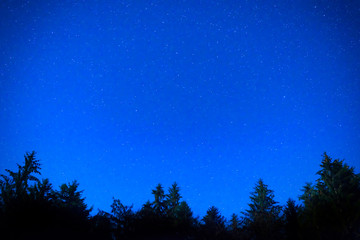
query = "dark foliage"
{"x": 262, "y": 219}
{"x": 172, "y": 200}
{"x": 31, "y": 208}
{"x": 234, "y": 227}
{"x": 213, "y": 224}
{"x": 291, "y": 215}
{"x": 332, "y": 205}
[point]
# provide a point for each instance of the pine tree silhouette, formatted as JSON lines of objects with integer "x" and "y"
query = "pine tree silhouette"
{"x": 214, "y": 223}
{"x": 291, "y": 215}
{"x": 159, "y": 196}
{"x": 262, "y": 220}
{"x": 32, "y": 209}
{"x": 172, "y": 199}
{"x": 332, "y": 205}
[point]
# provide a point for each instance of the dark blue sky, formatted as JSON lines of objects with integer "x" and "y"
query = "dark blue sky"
{"x": 212, "y": 94}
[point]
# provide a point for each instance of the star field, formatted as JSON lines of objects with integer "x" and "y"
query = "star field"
{"x": 212, "y": 94}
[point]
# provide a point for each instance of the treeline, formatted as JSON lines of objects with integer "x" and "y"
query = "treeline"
{"x": 31, "y": 208}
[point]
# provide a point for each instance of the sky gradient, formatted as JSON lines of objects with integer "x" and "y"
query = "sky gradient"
{"x": 123, "y": 95}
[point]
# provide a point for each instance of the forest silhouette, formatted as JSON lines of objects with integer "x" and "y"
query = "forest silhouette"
{"x": 31, "y": 208}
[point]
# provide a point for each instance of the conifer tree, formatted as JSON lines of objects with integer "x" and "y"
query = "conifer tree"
{"x": 159, "y": 204}
{"x": 214, "y": 223}
{"x": 309, "y": 194}
{"x": 183, "y": 212}
{"x": 121, "y": 212}
{"x": 102, "y": 226}
{"x": 234, "y": 223}
{"x": 291, "y": 215}
{"x": 15, "y": 186}
{"x": 123, "y": 217}
{"x": 332, "y": 205}
{"x": 172, "y": 199}
{"x": 146, "y": 210}
{"x": 70, "y": 197}
{"x": 262, "y": 219}
{"x": 336, "y": 180}
{"x": 42, "y": 190}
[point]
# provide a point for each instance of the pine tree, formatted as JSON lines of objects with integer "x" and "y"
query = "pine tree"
{"x": 332, "y": 205}
{"x": 291, "y": 215}
{"x": 183, "y": 212}
{"x": 309, "y": 194}
{"x": 17, "y": 206}
{"x": 234, "y": 223}
{"x": 147, "y": 219}
{"x": 42, "y": 191}
{"x": 69, "y": 197}
{"x": 16, "y": 185}
{"x": 147, "y": 210}
{"x": 336, "y": 180}
{"x": 262, "y": 219}
{"x": 214, "y": 223}
{"x": 102, "y": 226}
{"x": 184, "y": 215}
{"x": 123, "y": 217}
{"x": 159, "y": 204}
{"x": 184, "y": 220}
{"x": 172, "y": 199}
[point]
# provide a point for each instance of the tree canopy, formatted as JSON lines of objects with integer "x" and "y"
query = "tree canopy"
{"x": 332, "y": 205}
{"x": 31, "y": 208}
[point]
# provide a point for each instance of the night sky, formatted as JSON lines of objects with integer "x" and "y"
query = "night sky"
{"x": 123, "y": 95}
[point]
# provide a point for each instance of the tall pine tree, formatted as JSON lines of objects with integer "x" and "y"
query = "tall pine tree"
{"x": 173, "y": 199}
{"x": 159, "y": 203}
{"x": 332, "y": 205}
{"x": 262, "y": 219}
{"x": 16, "y": 185}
